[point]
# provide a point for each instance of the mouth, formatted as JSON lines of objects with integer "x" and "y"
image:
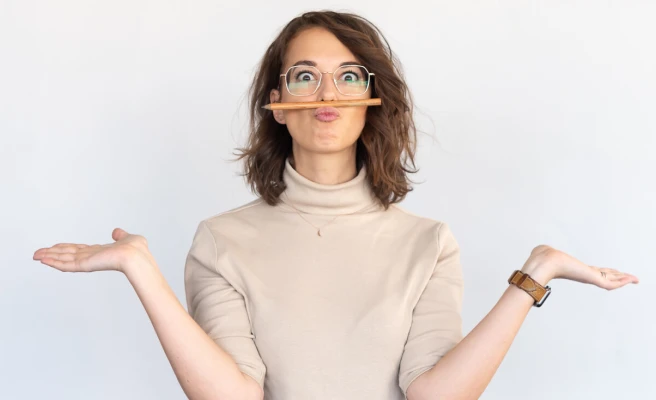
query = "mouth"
{"x": 326, "y": 114}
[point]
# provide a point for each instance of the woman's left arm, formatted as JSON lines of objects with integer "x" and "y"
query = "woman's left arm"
{"x": 466, "y": 370}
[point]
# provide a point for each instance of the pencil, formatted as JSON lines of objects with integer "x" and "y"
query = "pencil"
{"x": 316, "y": 104}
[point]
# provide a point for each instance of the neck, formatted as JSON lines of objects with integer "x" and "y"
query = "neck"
{"x": 347, "y": 196}
{"x": 325, "y": 169}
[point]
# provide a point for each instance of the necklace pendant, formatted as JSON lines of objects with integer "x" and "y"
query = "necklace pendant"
{"x": 318, "y": 232}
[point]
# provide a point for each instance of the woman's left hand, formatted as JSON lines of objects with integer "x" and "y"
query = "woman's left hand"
{"x": 546, "y": 263}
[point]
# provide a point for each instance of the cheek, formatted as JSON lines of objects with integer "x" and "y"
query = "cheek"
{"x": 353, "y": 123}
{"x": 298, "y": 118}
{"x": 358, "y": 117}
{"x": 299, "y": 123}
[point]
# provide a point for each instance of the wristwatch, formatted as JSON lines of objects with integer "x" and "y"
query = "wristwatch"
{"x": 530, "y": 286}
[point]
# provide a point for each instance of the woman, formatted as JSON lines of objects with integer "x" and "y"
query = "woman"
{"x": 324, "y": 287}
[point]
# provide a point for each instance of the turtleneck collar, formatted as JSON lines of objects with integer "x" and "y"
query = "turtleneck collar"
{"x": 310, "y": 197}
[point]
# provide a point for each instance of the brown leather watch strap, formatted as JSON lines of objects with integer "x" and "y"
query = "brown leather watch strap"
{"x": 530, "y": 286}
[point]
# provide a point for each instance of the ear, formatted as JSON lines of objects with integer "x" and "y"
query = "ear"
{"x": 278, "y": 115}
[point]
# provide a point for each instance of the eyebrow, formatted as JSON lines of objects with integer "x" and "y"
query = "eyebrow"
{"x": 312, "y": 63}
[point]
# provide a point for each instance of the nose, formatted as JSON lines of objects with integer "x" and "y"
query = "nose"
{"x": 327, "y": 90}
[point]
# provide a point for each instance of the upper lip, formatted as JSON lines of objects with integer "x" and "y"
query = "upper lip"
{"x": 326, "y": 111}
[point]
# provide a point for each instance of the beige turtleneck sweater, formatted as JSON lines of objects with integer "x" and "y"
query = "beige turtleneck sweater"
{"x": 356, "y": 313}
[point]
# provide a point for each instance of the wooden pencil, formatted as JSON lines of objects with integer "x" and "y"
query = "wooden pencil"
{"x": 316, "y": 104}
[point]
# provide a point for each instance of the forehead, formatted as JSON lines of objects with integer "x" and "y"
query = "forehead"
{"x": 320, "y": 46}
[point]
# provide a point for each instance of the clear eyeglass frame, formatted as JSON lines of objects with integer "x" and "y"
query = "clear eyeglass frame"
{"x": 321, "y": 74}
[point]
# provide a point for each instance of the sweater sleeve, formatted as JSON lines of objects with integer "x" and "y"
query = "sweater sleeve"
{"x": 436, "y": 319}
{"x": 217, "y": 307}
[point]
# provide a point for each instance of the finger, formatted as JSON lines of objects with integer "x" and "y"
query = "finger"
{"x": 614, "y": 277}
{"x": 64, "y": 266}
{"x": 118, "y": 234}
{"x": 614, "y": 271}
{"x": 619, "y": 278}
{"x": 611, "y": 285}
{"x": 613, "y": 274}
{"x": 60, "y": 256}
{"x": 62, "y": 248}
{"x": 624, "y": 275}
{"x": 68, "y": 247}
{"x": 609, "y": 272}
{"x": 54, "y": 250}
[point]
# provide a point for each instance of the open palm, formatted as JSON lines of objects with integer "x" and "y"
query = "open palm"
{"x": 564, "y": 266}
{"x": 73, "y": 257}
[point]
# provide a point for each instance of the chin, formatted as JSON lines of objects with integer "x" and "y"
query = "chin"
{"x": 324, "y": 142}
{"x": 322, "y": 137}
{"x": 327, "y": 145}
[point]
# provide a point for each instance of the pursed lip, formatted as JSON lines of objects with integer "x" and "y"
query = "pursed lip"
{"x": 326, "y": 111}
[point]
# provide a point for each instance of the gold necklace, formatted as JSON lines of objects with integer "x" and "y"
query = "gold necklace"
{"x": 317, "y": 228}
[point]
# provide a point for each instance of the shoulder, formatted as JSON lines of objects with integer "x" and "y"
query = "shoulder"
{"x": 243, "y": 210}
{"x": 241, "y": 217}
{"x": 403, "y": 215}
{"x": 437, "y": 228}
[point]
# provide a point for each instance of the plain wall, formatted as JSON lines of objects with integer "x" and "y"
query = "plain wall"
{"x": 537, "y": 126}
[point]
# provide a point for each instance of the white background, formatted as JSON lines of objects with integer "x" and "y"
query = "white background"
{"x": 537, "y": 123}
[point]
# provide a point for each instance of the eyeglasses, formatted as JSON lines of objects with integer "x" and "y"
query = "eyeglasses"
{"x": 305, "y": 80}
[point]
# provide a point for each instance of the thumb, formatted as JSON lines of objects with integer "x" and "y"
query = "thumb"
{"x": 118, "y": 234}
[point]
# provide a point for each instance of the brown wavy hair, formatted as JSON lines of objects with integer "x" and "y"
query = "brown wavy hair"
{"x": 388, "y": 140}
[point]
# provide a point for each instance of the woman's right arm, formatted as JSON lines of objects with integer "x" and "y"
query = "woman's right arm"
{"x": 203, "y": 367}
{"x": 204, "y": 370}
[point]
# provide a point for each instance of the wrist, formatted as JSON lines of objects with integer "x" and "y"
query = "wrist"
{"x": 541, "y": 273}
{"x": 138, "y": 265}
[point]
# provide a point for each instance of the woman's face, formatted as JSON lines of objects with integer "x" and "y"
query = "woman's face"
{"x": 315, "y": 133}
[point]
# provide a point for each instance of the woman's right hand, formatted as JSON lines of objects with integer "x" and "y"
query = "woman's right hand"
{"x": 72, "y": 257}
